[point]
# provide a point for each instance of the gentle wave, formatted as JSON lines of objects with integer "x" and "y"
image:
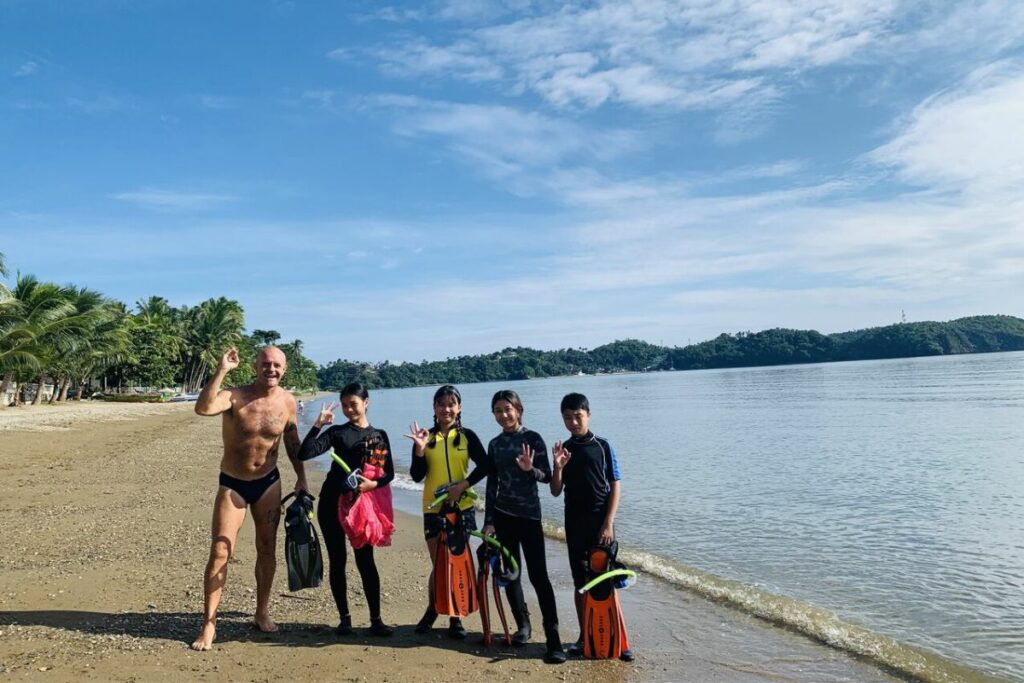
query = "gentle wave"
{"x": 801, "y": 617}
{"x": 809, "y": 620}
{"x": 796, "y": 615}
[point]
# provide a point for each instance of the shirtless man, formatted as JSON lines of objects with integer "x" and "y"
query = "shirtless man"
{"x": 256, "y": 419}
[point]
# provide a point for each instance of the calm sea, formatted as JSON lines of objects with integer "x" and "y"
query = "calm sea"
{"x": 876, "y": 506}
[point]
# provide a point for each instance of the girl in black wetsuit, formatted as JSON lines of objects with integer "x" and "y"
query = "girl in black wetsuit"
{"x": 517, "y": 461}
{"x": 358, "y": 444}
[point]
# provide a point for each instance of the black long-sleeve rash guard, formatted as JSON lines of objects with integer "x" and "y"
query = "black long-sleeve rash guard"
{"x": 354, "y": 445}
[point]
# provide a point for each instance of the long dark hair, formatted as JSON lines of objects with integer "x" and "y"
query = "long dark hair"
{"x": 444, "y": 392}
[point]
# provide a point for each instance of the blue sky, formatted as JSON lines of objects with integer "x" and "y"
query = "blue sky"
{"x": 402, "y": 182}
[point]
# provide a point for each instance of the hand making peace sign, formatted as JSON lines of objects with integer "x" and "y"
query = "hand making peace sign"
{"x": 326, "y": 416}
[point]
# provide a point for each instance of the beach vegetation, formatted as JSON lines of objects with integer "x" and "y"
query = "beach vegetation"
{"x": 74, "y": 338}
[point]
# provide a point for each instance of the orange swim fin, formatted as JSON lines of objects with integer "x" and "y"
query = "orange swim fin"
{"x": 455, "y": 579}
{"x": 604, "y": 627}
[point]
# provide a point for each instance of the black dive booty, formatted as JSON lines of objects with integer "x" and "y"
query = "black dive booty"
{"x": 426, "y": 622}
{"x": 554, "y": 653}
{"x": 456, "y": 630}
{"x": 523, "y": 629}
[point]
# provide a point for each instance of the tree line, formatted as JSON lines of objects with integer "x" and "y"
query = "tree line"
{"x": 70, "y": 336}
{"x": 977, "y": 334}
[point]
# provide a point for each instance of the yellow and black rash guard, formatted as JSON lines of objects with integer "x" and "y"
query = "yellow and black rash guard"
{"x": 447, "y": 463}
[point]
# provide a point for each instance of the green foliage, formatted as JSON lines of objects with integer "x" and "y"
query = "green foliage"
{"x": 743, "y": 349}
{"x": 135, "y": 398}
{"x": 71, "y": 335}
{"x": 770, "y": 347}
{"x": 301, "y": 372}
{"x": 265, "y": 337}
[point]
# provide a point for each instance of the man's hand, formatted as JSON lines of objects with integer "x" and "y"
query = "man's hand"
{"x": 366, "y": 484}
{"x": 229, "y": 361}
{"x": 605, "y": 536}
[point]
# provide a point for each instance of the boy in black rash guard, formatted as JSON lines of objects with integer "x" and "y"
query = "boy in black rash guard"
{"x": 586, "y": 467}
{"x": 354, "y": 441}
{"x": 518, "y": 460}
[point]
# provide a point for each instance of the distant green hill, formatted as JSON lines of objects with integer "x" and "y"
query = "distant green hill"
{"x": 977, "y": 334}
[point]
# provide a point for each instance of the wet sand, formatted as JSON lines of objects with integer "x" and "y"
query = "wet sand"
{"x": 107, "y": 511}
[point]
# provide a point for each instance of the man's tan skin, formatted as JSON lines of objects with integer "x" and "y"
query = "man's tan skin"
{"x": 256, "y": 418}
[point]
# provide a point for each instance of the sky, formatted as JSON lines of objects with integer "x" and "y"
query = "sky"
{"x": 425, "y": 180}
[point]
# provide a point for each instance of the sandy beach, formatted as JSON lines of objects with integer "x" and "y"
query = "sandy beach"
{"x": 108, "y": 510}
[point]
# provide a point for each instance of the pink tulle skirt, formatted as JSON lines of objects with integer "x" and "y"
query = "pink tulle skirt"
{"x": 368, "y": 517}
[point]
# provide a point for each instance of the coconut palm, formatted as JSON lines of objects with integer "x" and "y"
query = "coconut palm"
{"x": 101, "y": 339}
{"x": 108, "y": 343}
{"x": 209, "y": 328}
{"x": 35, "y": 318}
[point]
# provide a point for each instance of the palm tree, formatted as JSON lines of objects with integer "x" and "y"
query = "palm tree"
{"x": 107, "y": 343}
{"x": 35, "y": 318}
{"x": 101, "y": 339}
{"x": 209, "y": 328}
{"x": 154, "y": 309}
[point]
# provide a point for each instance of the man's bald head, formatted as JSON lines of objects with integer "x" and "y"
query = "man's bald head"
{"x": 270, "y": 366}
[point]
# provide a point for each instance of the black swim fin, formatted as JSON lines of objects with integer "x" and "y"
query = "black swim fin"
{"x": 301, "y": 543}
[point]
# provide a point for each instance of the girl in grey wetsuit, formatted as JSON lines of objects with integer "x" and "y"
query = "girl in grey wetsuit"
{"x": 517, "y": 461}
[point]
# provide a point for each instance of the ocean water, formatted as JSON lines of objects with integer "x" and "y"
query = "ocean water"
{"x": 877, "y": 507}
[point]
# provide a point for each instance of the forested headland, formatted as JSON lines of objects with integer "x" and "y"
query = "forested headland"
{"x": 76, "y": 339}
{"x": 977, "y": 334}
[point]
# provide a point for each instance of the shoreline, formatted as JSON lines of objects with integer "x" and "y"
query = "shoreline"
{"x": 102, "y": 581}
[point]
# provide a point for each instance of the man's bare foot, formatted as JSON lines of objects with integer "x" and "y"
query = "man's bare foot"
{"x": 264, "y": 623}
{"x": 206, "y": 635}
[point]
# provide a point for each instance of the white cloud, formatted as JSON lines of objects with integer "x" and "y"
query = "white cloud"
{"x": 419, "y": 58}
{"x": 505, "y": 142}
{"x": 966, "y": 138}
{"x": 174, "y": 200}
{"x": 648, "y": 53}
{"x": 217, "y": 102}
{"x": 324, "y": 97}
{"x": 985, "y": 28}
{"x": 26, "y": 69}
{"x": 98, "y": 104}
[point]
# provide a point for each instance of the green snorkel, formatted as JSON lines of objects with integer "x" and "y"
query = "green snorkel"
{"x": 625, "y": 573}
{"x": 442, "y": 495}
{"x": 514, "y": 574}
{"x": 352, "y": 480}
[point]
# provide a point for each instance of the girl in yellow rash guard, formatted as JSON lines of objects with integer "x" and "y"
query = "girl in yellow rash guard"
{"x": 441, "y": 456}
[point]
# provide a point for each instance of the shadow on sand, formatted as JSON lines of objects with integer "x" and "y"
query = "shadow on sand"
{"x": 238, "y": 627}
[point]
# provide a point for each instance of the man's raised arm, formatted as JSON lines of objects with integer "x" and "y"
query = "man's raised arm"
{"x": 213, "y": 401}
